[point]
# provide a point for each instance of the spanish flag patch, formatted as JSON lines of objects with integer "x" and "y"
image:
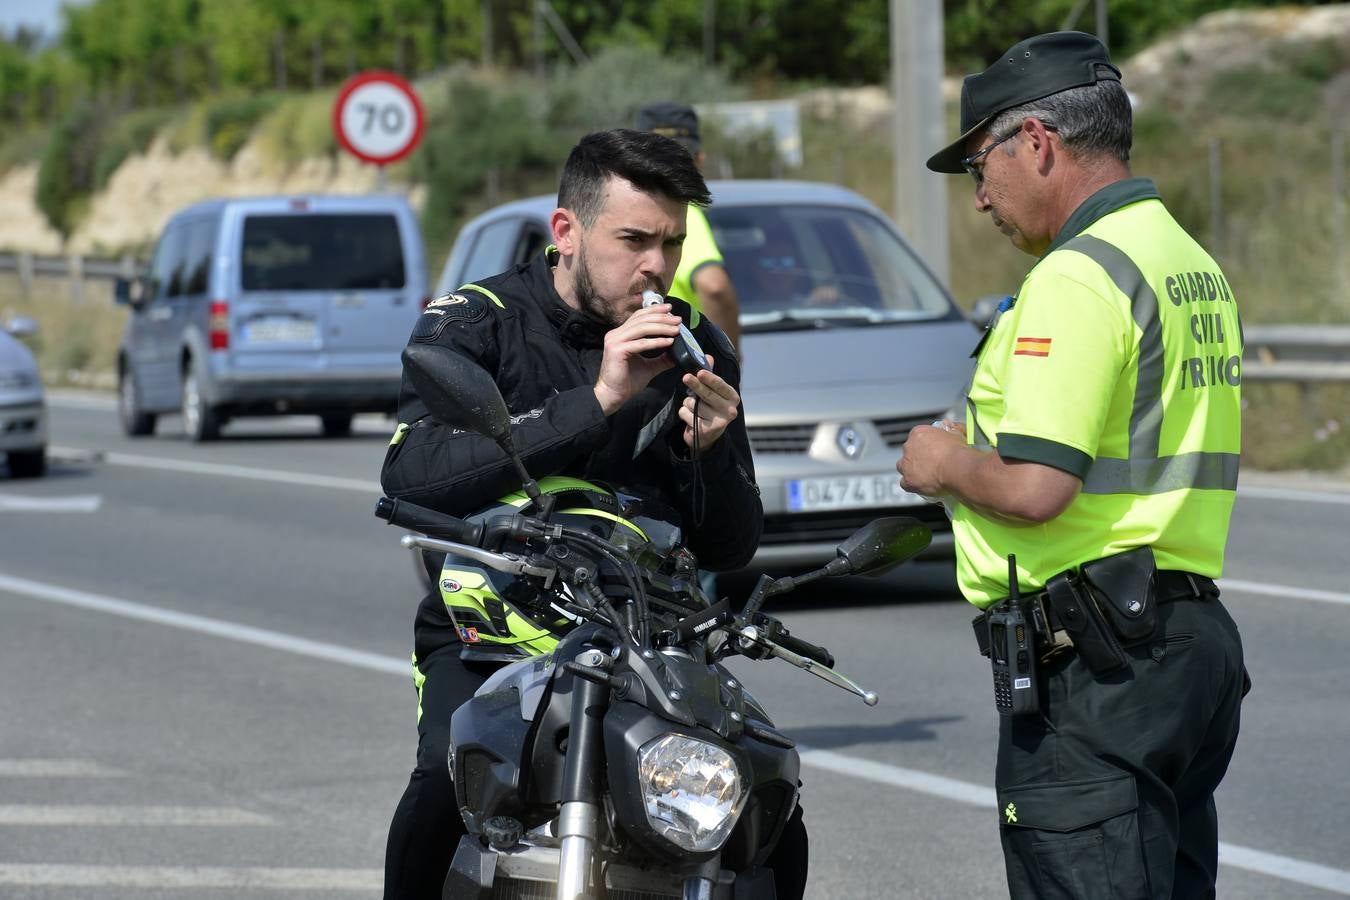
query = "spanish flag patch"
{"x": 1027, "y": 346}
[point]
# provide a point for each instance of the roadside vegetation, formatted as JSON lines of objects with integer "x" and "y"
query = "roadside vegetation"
{"x": 129, "y": 72}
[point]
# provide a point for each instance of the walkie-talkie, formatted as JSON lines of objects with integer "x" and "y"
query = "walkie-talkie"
{"x": 1012, "y": 653}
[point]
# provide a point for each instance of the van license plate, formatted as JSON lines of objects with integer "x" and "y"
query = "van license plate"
{"x": 848, "y": 492}
{"x": 280, "y": 330}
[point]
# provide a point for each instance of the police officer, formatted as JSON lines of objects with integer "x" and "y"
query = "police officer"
{"x": 702, "y": 279}
{"x": 564, "y": 336}
{"x": 1101, "y": 439}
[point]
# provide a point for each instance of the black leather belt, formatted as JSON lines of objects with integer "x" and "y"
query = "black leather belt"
{"x": 1171, "y": 586}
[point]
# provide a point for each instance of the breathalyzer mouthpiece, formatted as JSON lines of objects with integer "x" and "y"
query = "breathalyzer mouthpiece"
{"x": 651, "y": 298}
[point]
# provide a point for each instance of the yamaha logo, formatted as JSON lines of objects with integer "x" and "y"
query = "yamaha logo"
{"x": 850, "y": 441}
{"x": 450, "y": 586}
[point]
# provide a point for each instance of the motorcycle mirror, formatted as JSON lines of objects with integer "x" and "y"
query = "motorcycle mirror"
{"x": 460, "y": 393}
{"x": 457, "y": 392}
{"x": 881, "y": 545}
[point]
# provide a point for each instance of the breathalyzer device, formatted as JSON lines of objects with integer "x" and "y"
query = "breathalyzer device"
{"x": 687, "y": 353}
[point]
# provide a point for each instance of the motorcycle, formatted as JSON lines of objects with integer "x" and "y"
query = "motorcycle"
{"x": 621, "y": 760}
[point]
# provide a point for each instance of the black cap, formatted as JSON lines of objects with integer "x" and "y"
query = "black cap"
{"x": 674, "y": 120}
{"x": 1037, "y": 67}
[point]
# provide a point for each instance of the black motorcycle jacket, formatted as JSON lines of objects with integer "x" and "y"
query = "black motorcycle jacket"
{"x": 545, "y": 358}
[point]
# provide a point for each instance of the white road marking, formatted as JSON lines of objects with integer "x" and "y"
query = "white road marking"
{"x": 1282, "y": 867}
{"x": 170, "y": 877}
{"x": 55, "y": 768}
{"x": 85, "y": 503}
{"x": 226, "y": 470}
{"x": 203, "y": 625}
{"x": 1283, "y": 591}
{"x": 48, "y": 814}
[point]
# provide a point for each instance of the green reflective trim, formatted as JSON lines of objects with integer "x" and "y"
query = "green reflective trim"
{"x": 1185, "y": 471}
{"x": 1147, "y": 413}
{"x": 484, "y": 291}
{"x": 1048, "y": 453}
{"x": 419, "y": 679}
{"x": 399, "y": 434}
{"x": 554, "y": 484}
{"x": 600, "y": 513}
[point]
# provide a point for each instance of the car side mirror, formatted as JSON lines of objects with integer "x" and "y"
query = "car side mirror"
{"x": 982, "y": 313}
{"x": 131, "y": 292}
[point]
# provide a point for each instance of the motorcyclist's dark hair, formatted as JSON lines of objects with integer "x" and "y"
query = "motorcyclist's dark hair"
{"x": 652, "y": 163}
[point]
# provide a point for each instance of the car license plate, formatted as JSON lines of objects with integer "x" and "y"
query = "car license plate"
{"x": 280, "y": 330}
{"x": 848, "y": 492}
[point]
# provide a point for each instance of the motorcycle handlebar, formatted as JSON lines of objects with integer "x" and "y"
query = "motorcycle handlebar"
{"x": 428, "y": 521}
{"x": 813, "y": 652}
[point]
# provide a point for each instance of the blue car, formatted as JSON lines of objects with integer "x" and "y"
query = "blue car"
{"x": 272, "y": 306}
{"x": 23, "y": 409}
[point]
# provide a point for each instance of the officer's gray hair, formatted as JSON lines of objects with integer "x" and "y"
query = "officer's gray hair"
{"x": 1091, "y": 120}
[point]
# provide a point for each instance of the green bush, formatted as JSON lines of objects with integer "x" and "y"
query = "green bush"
{"x": 229, "y": 121}
{"x": 66, "y": 173}
{"x": 1256, "y": 91}
{"x": 300, "y": 127}
{"x": 128, "y": 135}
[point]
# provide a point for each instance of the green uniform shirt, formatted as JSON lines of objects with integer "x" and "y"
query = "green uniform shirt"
{"x": 699, "y": 250}
{"x": 1120, "y": 362}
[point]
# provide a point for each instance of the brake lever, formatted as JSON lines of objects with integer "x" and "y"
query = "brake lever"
{"x": 750, "y": 634}
{"x": 509, "y": 563}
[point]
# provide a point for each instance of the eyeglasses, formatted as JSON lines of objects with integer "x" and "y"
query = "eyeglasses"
{"x": 977, "y": 172}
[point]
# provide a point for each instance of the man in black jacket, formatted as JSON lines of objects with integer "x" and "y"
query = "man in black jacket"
{"x": 563, "y": 336}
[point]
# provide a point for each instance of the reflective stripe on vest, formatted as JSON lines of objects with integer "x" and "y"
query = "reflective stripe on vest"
{"x": 1145, "y": 472}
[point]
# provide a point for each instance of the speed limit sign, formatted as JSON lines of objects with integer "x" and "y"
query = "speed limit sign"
{"x": 377, "y": 117}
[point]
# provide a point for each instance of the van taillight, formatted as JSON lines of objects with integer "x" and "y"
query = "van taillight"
{"x": 219, "y": 325}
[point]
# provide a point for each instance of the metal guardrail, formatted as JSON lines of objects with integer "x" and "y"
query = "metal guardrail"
{"x": 1273, "y": 352}
{"x": 1296, "y": 353}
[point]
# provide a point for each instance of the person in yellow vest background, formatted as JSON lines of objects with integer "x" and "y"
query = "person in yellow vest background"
{"x": 1092, "y": 484}
{"x": 701, "y": 280}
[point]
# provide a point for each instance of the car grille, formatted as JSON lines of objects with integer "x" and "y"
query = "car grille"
{"x": 797, "y": 438}
{"x": 895, "y": 431}
{"x": 833, "y": 527}
{"x": 781, "y": 438}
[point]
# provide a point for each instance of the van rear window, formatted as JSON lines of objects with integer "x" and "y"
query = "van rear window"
{"x": 318, "y": 252}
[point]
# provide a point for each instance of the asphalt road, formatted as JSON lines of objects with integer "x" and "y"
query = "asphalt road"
{"x": 205, "y": 689}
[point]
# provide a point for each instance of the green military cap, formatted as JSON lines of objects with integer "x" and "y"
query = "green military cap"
{"x": 1034, "y": 68}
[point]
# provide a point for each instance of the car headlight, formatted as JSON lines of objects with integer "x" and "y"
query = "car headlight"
{"x": 691, "y": 791}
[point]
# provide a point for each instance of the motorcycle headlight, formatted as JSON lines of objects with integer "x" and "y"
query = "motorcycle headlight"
{"x": 691, "y": 791}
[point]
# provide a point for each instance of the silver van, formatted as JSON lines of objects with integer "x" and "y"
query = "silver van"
{"x": 271, "y": 306}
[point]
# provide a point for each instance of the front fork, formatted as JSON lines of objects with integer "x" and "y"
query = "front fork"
{"x": 579, "y": 819}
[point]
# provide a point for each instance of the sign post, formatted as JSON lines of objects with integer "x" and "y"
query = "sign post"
{"x": 378, "y": 118}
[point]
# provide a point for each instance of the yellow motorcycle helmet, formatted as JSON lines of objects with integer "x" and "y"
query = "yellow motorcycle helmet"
{"x": 504, "y": 618}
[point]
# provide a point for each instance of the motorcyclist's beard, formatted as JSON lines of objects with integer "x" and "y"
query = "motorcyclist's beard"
{"x": 606, "y": 312}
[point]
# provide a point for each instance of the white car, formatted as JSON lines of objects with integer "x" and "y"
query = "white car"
{"x": 23, "y": 410}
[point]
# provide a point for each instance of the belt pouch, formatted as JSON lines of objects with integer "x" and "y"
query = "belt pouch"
{"x": 1091, "y": 636}
{"x": 1124, "y": 588}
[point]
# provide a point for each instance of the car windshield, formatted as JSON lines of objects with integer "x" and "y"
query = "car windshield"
{"x": 321, "y": 252}
{"x": 816, "y": 266}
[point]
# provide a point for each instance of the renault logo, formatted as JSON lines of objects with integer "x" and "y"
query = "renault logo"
{"x": 850, "y": 441}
